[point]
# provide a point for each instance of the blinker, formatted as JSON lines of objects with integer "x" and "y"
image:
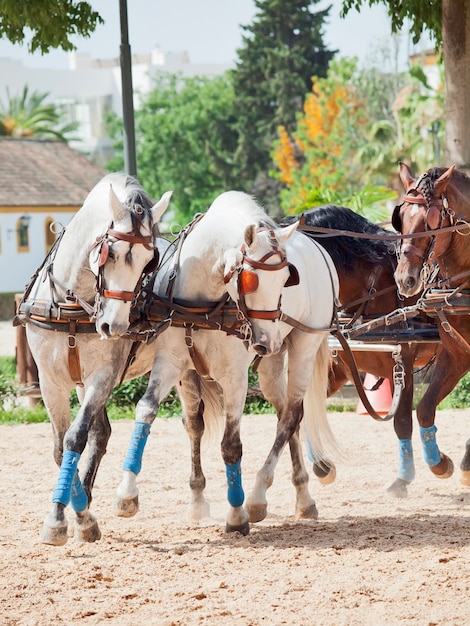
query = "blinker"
{"x": 433, "y": 218}
{"x": 294, "y": 278}
{"x": 103, "y": 254}
{"x": 247, "y": 282}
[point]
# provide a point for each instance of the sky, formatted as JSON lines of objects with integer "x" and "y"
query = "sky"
{"x": 209, "y": 30}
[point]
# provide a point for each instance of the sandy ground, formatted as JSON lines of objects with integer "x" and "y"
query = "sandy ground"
{"x": 369, "y": 560}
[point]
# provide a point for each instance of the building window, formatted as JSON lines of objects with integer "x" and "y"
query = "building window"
{"x": 22, "y": 233}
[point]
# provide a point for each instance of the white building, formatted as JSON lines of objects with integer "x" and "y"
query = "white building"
{"x": 41, "y": 182}
{"x": 90, "y": 88}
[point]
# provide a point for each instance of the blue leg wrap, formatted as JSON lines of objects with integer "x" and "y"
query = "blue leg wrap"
{"x": 68, "y": 470}
{"x": 432, "y": 455}
{"x": 406, "y": 471}
{"x": 235, "y": 494}
{"x": 78, "y": 497}
{"x": 133, "y": 460}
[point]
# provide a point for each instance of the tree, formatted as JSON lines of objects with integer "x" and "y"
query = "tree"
{"x": 51, "y": 22}
{"x": 28, "y": 116}
{"x": 186, "y": 138}
{"x": 448, "y": 22}
{"x": 317, "y": 162}
{"x": 281, "y": 51}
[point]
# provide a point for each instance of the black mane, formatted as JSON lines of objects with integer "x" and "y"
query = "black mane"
{"x": 346, "y": 252}
{"x": 138, "y": 199}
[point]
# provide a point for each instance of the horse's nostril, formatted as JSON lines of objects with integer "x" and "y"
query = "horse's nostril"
{"x": 105, "y": 330}
{"x": 410, "y": 283}
{"x": 260, "y": 349}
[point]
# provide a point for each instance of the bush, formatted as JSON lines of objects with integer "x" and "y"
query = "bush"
{"x": 460, "y": 396}
{"x": 122, "y": 403}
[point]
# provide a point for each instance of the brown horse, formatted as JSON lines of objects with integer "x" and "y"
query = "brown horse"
{"x": 368, "y": 290}
{"x": 434, "y": 218}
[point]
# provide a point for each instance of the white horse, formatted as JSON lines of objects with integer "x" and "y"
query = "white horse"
{"x": 236, "y": 249}
{"x": 82, "y": 294}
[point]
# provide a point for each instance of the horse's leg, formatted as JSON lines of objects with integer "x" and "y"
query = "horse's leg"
{"x": 231, "y": 448}
{"x": 69, "y": 489}
{"x": 449, "y": 368}
{"x": 56, "y": 401}
{"x": 86, "y": 526}
{"x": 164, "y": 375}
{"x": 299, "y": 377}
{"x": 403, "y": 426}
{"x": 274, "y": 386}
{"x": 189, "y": 391}
{"x": 465, "y": 466}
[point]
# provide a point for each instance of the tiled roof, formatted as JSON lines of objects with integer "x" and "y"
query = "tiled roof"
{"x": 44, "y": 173}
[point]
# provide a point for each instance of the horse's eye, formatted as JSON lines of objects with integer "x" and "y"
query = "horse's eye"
{"x": 111, "y": 252}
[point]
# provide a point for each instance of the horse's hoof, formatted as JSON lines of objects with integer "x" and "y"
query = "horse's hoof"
{"x": 444, "y": 469}
{"x": 310, "y": 513}
{"x": 399, "y": 488}
{"x": 198, "y": 511}
{"x": 465, "y": 478}
{"x": 256, "y": 512}
{"x": 126, "y": 508}
{"x": 87, "y": 531}
{"x": 53, "y": 535}
{"x": 243, "y": 529}
{"x": 325, "y": 471}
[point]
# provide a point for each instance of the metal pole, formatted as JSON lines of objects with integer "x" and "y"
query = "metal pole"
{"x": 130, "y": 161}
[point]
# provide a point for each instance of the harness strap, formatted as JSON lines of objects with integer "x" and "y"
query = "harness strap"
{"x": 320, "y": 232}
{"x": 451, "y": 331}
{"x": 398, "y": 386}
{"x": 73, "y": 356}
{"x": 184, "y": 233}
{"x": 126, "y": 296}
{"x": 146, "y": 240}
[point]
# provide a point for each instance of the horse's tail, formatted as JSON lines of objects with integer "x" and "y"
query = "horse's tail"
{"x": 214, "y": 411}
{"x": 205, "y": 397}
{"x": 317, "y": 429}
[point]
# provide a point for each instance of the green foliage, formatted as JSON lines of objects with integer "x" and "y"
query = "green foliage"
{"x": 27, "y": 115}
{"x": 460, "y": 396}
{"x": 185, "y": 141}
{"x": 369, "y": 201}
{"x": 7, "y": 366}
{"x": 282, "y": 49}
{"x": 122, "y": 402}
{"x": 423, "y": 16}
{"x": 8, "y": 392}
{"x": 50, "y": 23}
{"x": 317, "y": 162}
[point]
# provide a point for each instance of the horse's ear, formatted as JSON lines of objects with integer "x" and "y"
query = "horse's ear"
{"x": 161, "y": 206}
{"x": 283, "y": 234}
{"x": 406, "y": 176}
{"x": 440, "y": 185}
{"x": 231, "y": 261}
{"x": 116, "y": 206}
{"x": 250, "y": 234}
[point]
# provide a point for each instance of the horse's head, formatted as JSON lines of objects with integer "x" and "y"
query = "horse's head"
{"x": 255, "y": 277}
{"x": 424, "y": 211}
{"x": 121, "y": 256}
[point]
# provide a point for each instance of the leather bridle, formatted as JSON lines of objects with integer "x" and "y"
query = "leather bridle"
{"x": 103, "y": 243}
{"x": 437, "y": 211}
{"x": 247, "y": 280}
